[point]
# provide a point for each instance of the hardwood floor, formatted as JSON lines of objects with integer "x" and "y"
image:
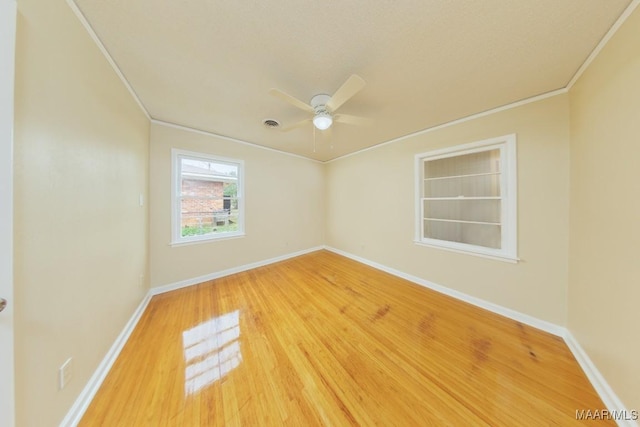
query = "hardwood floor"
{"x": 323, "y": 340}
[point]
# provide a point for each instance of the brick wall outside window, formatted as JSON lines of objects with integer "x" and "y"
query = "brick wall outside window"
{"x": 200, "y": 211}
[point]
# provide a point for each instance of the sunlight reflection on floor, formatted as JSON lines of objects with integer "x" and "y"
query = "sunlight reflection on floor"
{"x": 211, "y": 351}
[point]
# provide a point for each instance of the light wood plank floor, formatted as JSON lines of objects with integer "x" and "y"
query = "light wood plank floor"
{"x": 323, "y": 340}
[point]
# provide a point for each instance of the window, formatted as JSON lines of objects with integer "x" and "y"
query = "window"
{"x": 207, "y": 197}
{"x": 466, "y": 198}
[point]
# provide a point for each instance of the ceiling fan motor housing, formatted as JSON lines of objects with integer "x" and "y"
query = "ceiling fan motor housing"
{"x": 320, "y": 101}
{"x": 322, "y": 119}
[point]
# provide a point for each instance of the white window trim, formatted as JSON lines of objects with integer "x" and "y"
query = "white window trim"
{"x": 176, "y": 235}
{"x": 509, "y": 215}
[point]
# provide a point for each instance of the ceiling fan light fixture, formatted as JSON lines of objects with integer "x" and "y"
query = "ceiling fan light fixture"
{"x": 322, "y": 121}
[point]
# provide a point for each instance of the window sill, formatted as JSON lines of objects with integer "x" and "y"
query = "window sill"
{"x": 498, "y": 257}
{"x": 207, "y": 239}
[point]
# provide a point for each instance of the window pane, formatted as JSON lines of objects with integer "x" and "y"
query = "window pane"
{"x": 469, "y": 186}
{"x": 463, "y": 210}
{"x": 197, "y": 206}
{"x": 230, "y": 189}
{"x": 233, "y": 222}
{"x": 225, "y": 222}
{"x": 205, "y": 168}
{"x": 208, "y": 179}
{"x": 202, "y": 188}
{"x": 467, "y": 164}
{"x": 206, "y": 216}
{"x": 197, "y": 216}
{"x": 209, "y": 202}
{"x": 207, "y": 196}
{"x": 473, "y": 234}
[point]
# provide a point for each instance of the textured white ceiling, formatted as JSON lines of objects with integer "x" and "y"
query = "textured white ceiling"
{"x": 209, "y": 64}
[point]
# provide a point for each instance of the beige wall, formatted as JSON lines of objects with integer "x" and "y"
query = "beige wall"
{"x": 82, "y": 158}
{"x": 283, "y": 207}
{"x": 604, "y": 285}
{"x": 370, "y": 199}
{"x": 81, "y": 161}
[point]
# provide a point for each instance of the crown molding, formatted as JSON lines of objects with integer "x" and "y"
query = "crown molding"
{"x": 458, "y": 121}
{"x": 228, "y": 138}
{"x": 603, "y": 42}
{"x": 596, "y": 51}
{"x": 76, "y": 10}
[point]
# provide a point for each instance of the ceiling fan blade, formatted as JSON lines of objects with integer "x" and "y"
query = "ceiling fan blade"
{"x": 291, "y": 100}
{"x": 353, "y": 85}
{"x": 353, "y": 120}
{"x": 295, "y": 125}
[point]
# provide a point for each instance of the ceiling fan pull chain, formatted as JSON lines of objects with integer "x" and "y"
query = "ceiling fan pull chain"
{"x": 314, "y": 139}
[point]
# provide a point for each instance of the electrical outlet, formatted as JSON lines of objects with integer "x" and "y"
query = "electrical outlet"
{"x": 64, "y": 373}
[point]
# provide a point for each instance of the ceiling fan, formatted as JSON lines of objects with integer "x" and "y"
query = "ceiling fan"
{"x": 323, "y": 107}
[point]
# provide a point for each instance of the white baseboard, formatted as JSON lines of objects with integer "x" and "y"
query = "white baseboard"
{"x": 608, "y": 396}
{"x": 478, "y": 302}
{"x": 195, "y": 280}
{"x": 87, "y": 394}
{"x": 606, "y": 393}
{"x": 81, "y": 404}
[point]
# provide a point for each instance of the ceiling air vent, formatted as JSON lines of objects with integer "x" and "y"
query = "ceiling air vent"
{"x": 270, "y": 123}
